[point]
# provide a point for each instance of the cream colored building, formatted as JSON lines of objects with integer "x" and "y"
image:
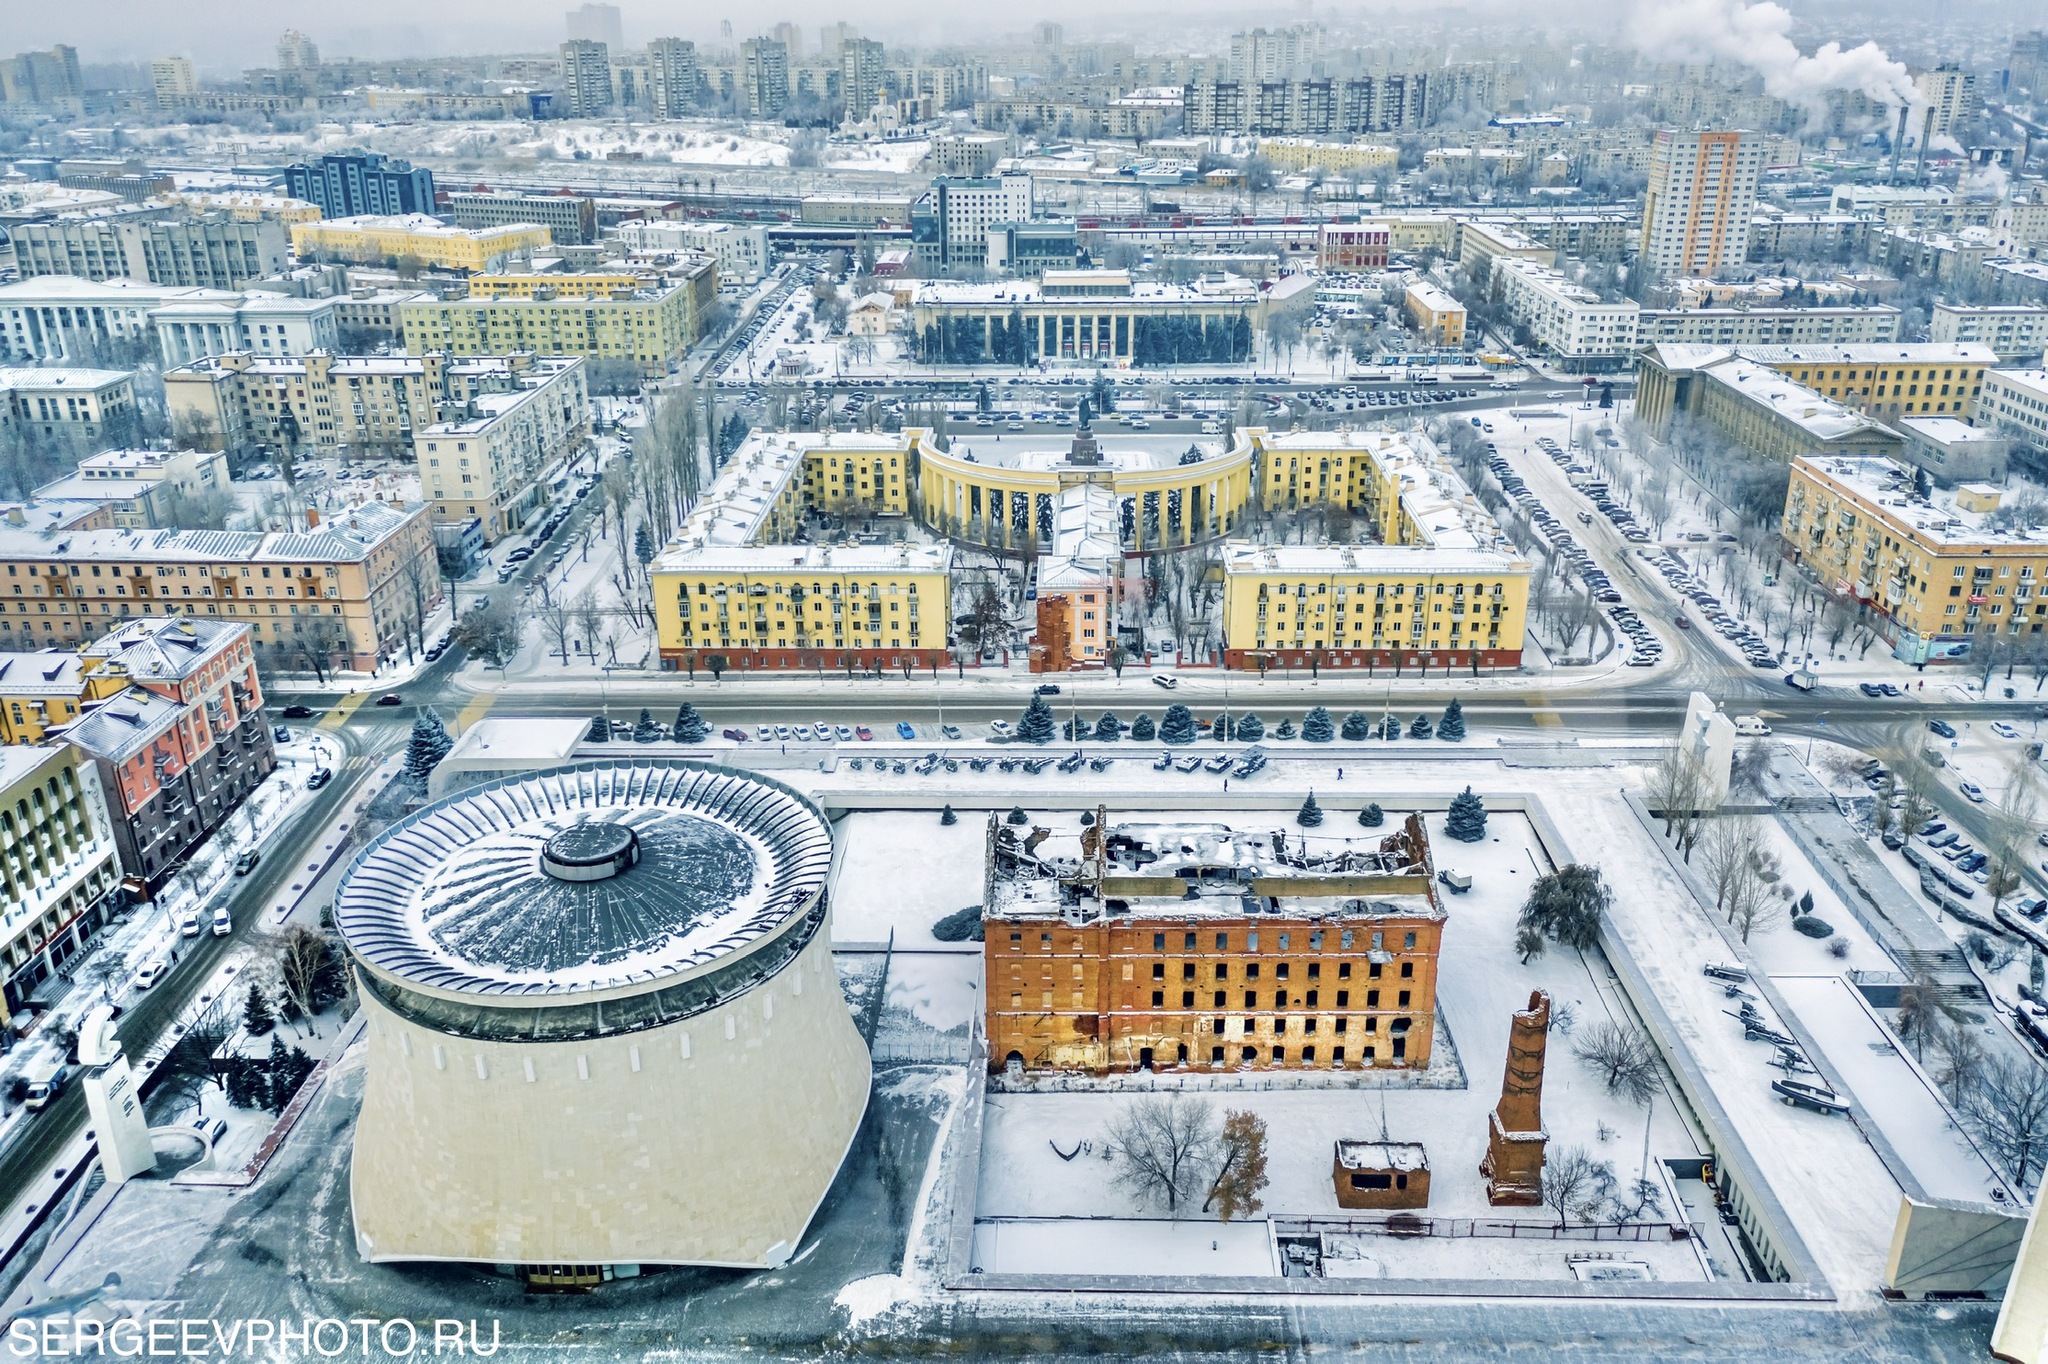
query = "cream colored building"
{"x": 491, "y": 457}
{"x": 677, "y": 1085}
{"x": 141, "y": 488}
{"x": 331, "y": 404}
{"x": 352, "y": 589}
{"x": 172, "y": 80}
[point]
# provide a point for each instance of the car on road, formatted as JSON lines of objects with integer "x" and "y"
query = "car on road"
{"x": 281, "y": 734}
{"x": 391, "y": 698}
{"x": 904, "y": 731}
{"x": 150, "y": 974}
{"x": 321, "y": 776}
{"x": 246, "y": 860}
{"x": 2004, "y": 730}
{"x": 223, "y": 922}
{"x": 298, "y": 712}
{"x": 1943, "y": 728}
{"x": 1972, "y": 792}
{"x": 1048, "y": 689}
{"x": 863, "y": 733}
{"x": 1165, "y": 680}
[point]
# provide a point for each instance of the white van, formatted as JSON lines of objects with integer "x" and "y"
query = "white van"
{"x": 1751, "y": 727}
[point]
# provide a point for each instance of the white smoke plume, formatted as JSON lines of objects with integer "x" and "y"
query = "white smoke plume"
{"x": 1758, "y": 35}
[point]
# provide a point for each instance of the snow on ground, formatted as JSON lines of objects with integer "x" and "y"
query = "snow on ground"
{"x": 925, "y": 1246}
{"x": 1480, "y": 983}
{"x": 1126, "y": 1246}
{"x": 1836, "y": 1190}
{"x": 1896, "y": 1094}
{"x": 901, "y": 157}
{"x": 942, "y": 990}
{"x": 1408, "y": 1257}
{"x": 1777, "y": 948}
{"x": 903, "y": 871}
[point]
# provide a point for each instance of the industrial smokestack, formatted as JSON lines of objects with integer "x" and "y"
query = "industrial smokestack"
{"x": 1920, "y": 153}
{"x": 1898, "y": 145}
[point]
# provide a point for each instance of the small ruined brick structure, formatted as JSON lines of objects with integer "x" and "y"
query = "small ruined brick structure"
{"x": 1381, "y": 1174}
{"x": 1514, "y": 1144}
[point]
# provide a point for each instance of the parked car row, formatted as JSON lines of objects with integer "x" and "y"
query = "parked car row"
{"x": 1687, "y": 585}
{"x": 1646, "y": 648}
{"x": 1624, "y": 520}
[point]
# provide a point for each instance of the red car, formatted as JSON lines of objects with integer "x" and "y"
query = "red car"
{"x": 863, "y": 733}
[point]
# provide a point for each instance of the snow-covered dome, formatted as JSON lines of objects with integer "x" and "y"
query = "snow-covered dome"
{"x": 589, "y": 879}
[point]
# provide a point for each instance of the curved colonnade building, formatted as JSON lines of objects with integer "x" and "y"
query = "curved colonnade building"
{"x": 740, "y": 588}
{"x": 604, "y": 1025}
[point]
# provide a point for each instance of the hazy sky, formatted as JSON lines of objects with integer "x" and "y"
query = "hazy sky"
{"x": 224, "y": 36}
{"x": 230, "y": 34}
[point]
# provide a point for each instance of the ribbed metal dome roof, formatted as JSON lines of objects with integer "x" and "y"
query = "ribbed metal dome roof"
{"x": 456, "y": 898}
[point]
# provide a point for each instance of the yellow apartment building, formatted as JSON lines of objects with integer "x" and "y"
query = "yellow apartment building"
{"x": 1338, "y": 158}
{"x": 1887, "y": 379}
{"x": 59, "y": 865}
{"x": 650, "y": 325}
{"x": 1939, "y": 576}
{"x": 731, "y": 592}
{"x": 584, "y": 284}
{"x": 804, "y": 606}
{"x": 1004, "y": 499}
{"x": 38, "y": 691}
{"x": 1443, "y": 587}
{"x": 418, "y": 237}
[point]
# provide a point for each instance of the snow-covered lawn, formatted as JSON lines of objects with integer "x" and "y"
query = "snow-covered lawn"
{"x": 1896, "y": 1094}
{"x": 1480, "y": 982}
{"x": 903, "y": 871}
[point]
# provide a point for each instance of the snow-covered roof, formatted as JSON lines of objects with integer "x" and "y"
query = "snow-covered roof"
{"x": 1224, "y": 872}
{"x": 1382, "y": 1155}
{"x": 455, "y": 901}
{"x": 165, "y": 648}
{"x": 125, "y": 724}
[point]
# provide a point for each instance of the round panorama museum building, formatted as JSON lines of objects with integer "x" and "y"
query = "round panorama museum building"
{"x": 603, "y": 1020}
